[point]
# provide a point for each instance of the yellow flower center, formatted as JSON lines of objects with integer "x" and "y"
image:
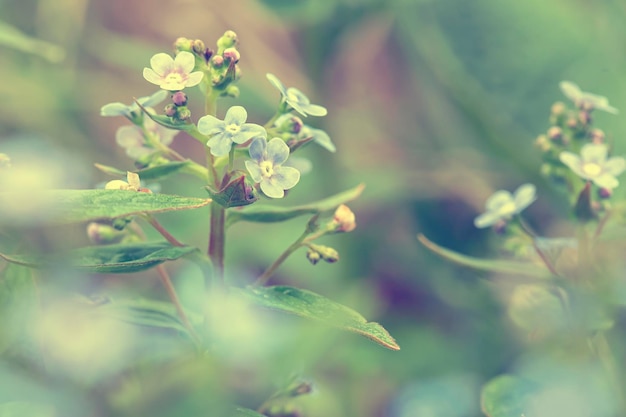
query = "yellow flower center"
{"x": 233, "y": 129}
{"x": 173, "y": 78}
{"x": 592, "y": 170}
{"x": 267, "y": 168}
{"x": 508, "y": 208}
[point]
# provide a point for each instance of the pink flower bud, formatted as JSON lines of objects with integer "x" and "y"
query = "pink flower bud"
{"x": 344, "y": 219}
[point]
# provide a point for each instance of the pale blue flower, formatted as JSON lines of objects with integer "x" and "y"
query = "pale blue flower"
{"x": 133, "y": 140}
{"x": 502, "y": 205}
{"x": 267, "y": 168}
{"x": 586, "y": 100}
{"x": 296, "y": 99}
{"x": 120, "y": 109}
{"x": 593, "y": 165}
{"x": 232, "y": 129}
{"x": 173, "y": 74}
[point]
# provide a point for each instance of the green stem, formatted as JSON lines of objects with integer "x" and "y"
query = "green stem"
{"x": 171, "y": 292}
{"x": 601, "y": 348}
{"x": 539, "y": 252}
{"x": 217, "y": 240}
{"x": 265, "y": 276}
{"x": 159, "y": 228}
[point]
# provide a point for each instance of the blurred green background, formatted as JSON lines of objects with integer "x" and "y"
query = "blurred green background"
{"x": 433, "y": 104}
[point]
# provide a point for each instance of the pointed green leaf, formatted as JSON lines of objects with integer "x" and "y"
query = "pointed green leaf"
{"x": 269, "y": 214}
{"x": 169, "y": 122}
{"x": 67, "y": 206}
{"x": 152, "y": 173}
{"x": 244, "y": 412}
{"x": 313, "y": 306}
{"x": 119, "y": 258}
{"x": 149, "y": 313}
{"x": 18, "y": 304}
{"x": 506, "y": 267}
{"x": 507, "y": 396}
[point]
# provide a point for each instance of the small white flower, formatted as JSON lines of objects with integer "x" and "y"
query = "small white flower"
{"x": 586, "y": 100}
{"x": 502, "y": 205}
{"x": 173, "y": 74}
{"x": 296, "y": 99}
{"x": 267, "y": 169}
{"x": 132, "y": 138}
{"x": 593, "y": 165}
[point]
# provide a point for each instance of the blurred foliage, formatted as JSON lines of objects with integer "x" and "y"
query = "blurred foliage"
{"x": 433, "y": 104}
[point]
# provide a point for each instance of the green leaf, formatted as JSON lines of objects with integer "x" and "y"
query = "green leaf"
{"x": 119, "y": 258}
{"x": 152, "y": 173}
{"x": 313, "y": 306}
{"x": 507, "y": 396}
{"x": 270, "y": 214}
{"x": 67, "y": 206}
{"x": 506, "y": 267}
{"x": 169, "y": 122}
{"x": 149, "y": 313}
{"x": 18, "y": 304}
{"x": 24, "y": 409}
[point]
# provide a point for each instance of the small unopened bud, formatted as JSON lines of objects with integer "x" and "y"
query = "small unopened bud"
{"x": 184, "y": 113}
{"x": 183, "y": 44}
{"x": 572, "y": 123}
{"x": 327, "y": 253}
{"x": 313, "y": 256}
{"x": 293, "y": 124}
{"x": 555, "y": 133}
{"x": 116, "y": 185}
{"x": 597, "y": 136}
{"x": 217, "y": 61}
{"x": 121, "y": 222}
{"x": 132, "y": 183}
{"x": 343, "y": 219}
{"x": 231, "y": 91}
{"x": 231, "y": 54}
{"x": 179, "y": 98}
{"x": 299, "y": 388}
{"x": 542, "y": 143}
{"x": 499, "y": 227}
{"x": 227, "y": 40}
{"x": 558, "y": 109}
{"x": 605, "y": 193}
{"x": 198, "y": 46}
{"x": 170, "y": 110}
{"x": 584, "y": 117}
{"x": 208, "y": 53}
{"x": 585, "y": 105}
{"x": 102, "y": 234}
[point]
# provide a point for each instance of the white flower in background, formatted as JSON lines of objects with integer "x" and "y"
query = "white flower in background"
{"x": 586, "y": 100}
{"x": 502, "y": 205}
{"x": 132, "y": 138}
{"x": 173, "y": 74}
{"x": 296, "y": 99}
{"x": 593, "y": 165}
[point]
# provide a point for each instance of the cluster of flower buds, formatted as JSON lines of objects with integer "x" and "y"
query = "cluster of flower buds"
{"x": 343, "y": 221}
{"x": 573, "y": 150}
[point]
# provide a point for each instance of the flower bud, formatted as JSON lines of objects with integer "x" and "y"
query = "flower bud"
{"x": 183, "y": 44}
{"x": 343, "y": 220}
{"x": 231, "y": 91}
{"x": 555, "y": 133}
{"x": 171, "y": 110}
{"x": 102, "y": 234}
{"x": 313, "y": 256}
{"x": 179, "y": 98}
{"x": 184, "y": 113}
{"x": 542, "y": 143}
{"x": 327, "y": 253}
{"x": 116, "y": 185}
{"x": 299, "y": 388}
{"x": 198, "y": 47}
{"x": 227, "y": 40}
{"x": 217, "y": 61}
{"x": 572, "y": 123}
{"x": 584, "y": 117}
{"x": 605, "y": 193}
{"x": 121, "y": 222}
{"x": 231, "y": 54}
{"x": 597, "y": 136}
{"x": 293, "y": 124}
{"x": 558, "y": 109}
{"x": 208, "y": 53}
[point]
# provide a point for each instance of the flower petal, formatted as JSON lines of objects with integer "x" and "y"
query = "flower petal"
{"x": 570, "y": 90}
{"x": 220, "y": 145}
{"x": 272, "y": 190}
{"x": 129, "y": 136}
{"x": 249, "y": 131}
{"x": 257, "y": 149}
{"x": 276, "y": 83}
{"x": 235, "y": 115}
{"x": 498, "y": 199}
{"x": 114, "y": 109}
{"x": 595, "y": 153}
{"x": 162, "y": 63}
{"x": 255, "y": 171}
{"x": 153, "y": 100}
{"x": 615, "y": 165}
{"x": 315, "y": 110}
{"x": 210, "y": 125}
{"x": 573, "y": 162}
{"x": 321, "y": 138}
{"x": 285, "y": 177}
{"x": 277, "y": 151}
{"x": 185, "y": 61}
{"x": 606, "y": 181}
{"x": 524, "y": 196}
{"x": 152, "y": 77}
{"x": 194, "y": 79}
{"x": 486, "y": 219}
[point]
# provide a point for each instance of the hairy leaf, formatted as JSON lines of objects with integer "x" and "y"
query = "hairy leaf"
{"x": 269, "y": 214}
{"x": 119, "y": 258}
{"x": 67, "y": 206}
{"x": 313, "y": 306}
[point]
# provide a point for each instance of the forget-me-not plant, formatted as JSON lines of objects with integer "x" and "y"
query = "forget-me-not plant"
{"x": 502, "y": 205}
{"x": 266, "y": 167}
{"x": 232, "y": 129}
{"x": 173, "y": 74}
{"x": 296, "y": 99}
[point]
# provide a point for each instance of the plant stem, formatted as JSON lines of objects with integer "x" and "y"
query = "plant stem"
{"x": 265, "y": 276}
{"x": 171, "y": 292}
{"x": 159, "y": 228}
{"x": 601, "y": 348}
{"x": 217, "y": 240}
{"x": 539, "y": 252}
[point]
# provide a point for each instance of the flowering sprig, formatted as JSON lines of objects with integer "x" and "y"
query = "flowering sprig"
{"x": 503, "y": 205}
{"x": 266, "y": 168}
{"x": 141, "y": 142}
{"x": 593, "y": 165}
{"x": 296, "y": 99}
{"x": 173, "y": 74}
{"x": 232, "y": 129}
